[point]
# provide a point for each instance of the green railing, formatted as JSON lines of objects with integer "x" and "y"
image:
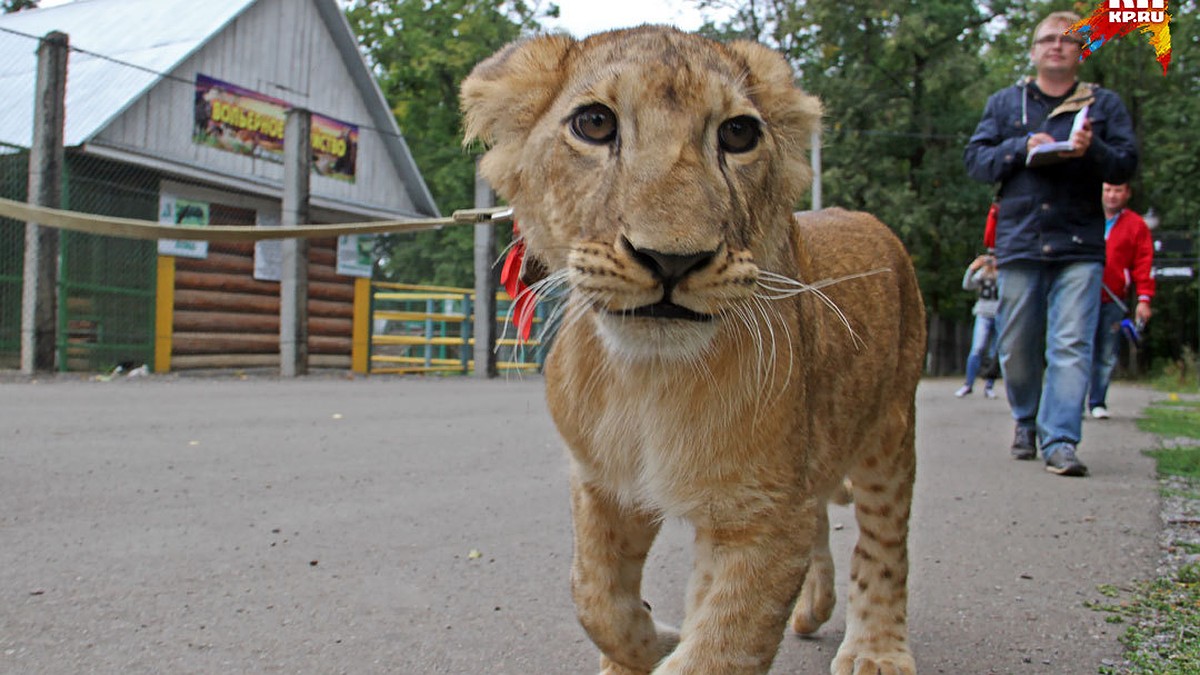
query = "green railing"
{"x": 427, "y": 329}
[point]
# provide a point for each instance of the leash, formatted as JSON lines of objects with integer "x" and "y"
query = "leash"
{"x": 132, "y": 228}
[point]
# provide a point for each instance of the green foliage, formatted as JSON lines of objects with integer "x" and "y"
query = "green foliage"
{"x": 903, "y": 84}
{"x": 420, "y": 51}
{"x": 1178, "y": 375}
{"x": 1165, "y": 111}
{"x": 10, "y": 6}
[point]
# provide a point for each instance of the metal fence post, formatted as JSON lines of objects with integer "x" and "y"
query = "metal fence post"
{"x": 485, "y": 283}
{"x": 39, "y": 290}
{"x": 293, "y": 286}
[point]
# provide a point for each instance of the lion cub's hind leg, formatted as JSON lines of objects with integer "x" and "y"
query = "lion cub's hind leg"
{"x": 877, "y": 614}
{"x": 818, "y": 595}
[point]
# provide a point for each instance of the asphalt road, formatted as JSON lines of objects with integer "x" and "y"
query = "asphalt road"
{"x": 327, "y": 525}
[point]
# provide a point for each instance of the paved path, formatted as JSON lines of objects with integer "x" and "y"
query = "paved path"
{"x": 194, "y": 525}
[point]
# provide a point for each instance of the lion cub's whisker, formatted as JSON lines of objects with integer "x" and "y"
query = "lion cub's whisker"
{"x": 538, "y": 292}
{"x": 793, "y": 287}
{"x": 505, "y": 250}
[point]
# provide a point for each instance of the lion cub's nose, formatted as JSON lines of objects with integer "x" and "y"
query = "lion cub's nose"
{"x": 669, "y": 267}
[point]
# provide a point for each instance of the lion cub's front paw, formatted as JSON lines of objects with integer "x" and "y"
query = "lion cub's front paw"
{"x": 893, "y": 663}
{"x": 668, "y": 640}
{"x": 610, "y": 667}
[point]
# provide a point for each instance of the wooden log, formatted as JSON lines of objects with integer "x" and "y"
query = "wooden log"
{"x": 323, "y": 344}
{"x": 325, "y": 249}
{"x": 229, "y": 322}
{"x": 220, "y": 301}
{"x": 237, "y": 264}
{"x": 236, "y": 361}
{"x": 240, "y": 283}
{"x": 242, "y": 248}
{"x": 252, "y": 343}
{"x": 217, "y": 281}
{"x": 225, "y": 343}
{"x": 190, "y": 321}
{"x": 322, "y": 255}
{"x": 217, "y": 262}
{"x": 223, "y": 361}
{"x": 328, "y": 273}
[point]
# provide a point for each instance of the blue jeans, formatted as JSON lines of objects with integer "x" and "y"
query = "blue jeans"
{"x": 1108, "y": 347}
{"x": 983, "y": 341}
{"x": 1047, "y": 317}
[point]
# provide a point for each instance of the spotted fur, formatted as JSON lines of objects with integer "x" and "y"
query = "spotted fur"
{"x": 789, "y": 364}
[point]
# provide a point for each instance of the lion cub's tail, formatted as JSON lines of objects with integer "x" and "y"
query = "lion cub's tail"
{"x": 842, "y": 494}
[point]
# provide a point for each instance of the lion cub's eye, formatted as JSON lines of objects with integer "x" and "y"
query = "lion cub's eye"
{"x": 739, "y": 134}
{"x": 594, "y": 123}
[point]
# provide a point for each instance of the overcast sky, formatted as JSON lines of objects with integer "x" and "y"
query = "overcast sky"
{"x": 584, "y": 17}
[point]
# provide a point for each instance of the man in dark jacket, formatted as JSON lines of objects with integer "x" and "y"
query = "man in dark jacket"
{"x": 1050, "y": 234}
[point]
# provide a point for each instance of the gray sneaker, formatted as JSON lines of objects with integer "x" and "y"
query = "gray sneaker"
{"x": 1064, "y": 462}
{"x": 1024, "y": 444}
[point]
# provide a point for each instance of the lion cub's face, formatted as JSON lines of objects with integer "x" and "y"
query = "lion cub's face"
{"x": 653, "y": 171}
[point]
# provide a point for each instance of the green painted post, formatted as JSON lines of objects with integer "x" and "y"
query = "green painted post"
{"x": 465, "y": 352}
{"x": 370, "y": 326}
{"x": 428, "y": 333}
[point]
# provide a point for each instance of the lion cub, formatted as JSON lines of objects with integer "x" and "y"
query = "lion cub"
{"x": 718, "y": 359}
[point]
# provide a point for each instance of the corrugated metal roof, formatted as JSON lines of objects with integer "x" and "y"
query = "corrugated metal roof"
{"x": 153, "y": 34}
{"x": 156, "y": 35}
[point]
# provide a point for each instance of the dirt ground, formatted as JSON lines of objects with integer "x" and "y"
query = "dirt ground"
{"x": 388, "y": 525}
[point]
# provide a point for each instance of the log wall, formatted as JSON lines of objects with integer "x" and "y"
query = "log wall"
{"x": 225, "y": 318}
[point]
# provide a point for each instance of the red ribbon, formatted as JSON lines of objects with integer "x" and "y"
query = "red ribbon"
{"x": 510, "y": 277}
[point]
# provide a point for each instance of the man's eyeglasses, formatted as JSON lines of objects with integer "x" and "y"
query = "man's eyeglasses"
{"x": 1047, "y": 40}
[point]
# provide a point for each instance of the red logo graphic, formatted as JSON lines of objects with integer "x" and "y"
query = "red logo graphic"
{"x": 1118, "y": 18}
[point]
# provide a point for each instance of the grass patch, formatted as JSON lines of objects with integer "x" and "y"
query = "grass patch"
{"x": 1178, "y": 461}
{"x": 1163, "y": 615}
{"x": 1163, "y": 637}
{"x": 1174, "y": 419}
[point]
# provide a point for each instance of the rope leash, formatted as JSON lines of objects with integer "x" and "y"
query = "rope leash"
{"x": 131, "y": 228}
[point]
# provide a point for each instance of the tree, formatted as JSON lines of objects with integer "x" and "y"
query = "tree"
{"x": 420, "y": 50}
{"x": 1166, "y": 113}
{"x": 904, "y": 84}
{"x": 10, "y": 6}
{"x": 900, "y": 82}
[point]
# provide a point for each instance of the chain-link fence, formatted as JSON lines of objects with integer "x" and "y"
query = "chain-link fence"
{"x": 106, "y": 284}
{"x": 14, "y": 182}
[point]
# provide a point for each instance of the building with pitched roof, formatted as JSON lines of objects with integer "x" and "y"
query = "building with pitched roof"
{"x": 173, "y": 112}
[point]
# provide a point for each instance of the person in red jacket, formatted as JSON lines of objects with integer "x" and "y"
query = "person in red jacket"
{"x": 1129, "y": 253}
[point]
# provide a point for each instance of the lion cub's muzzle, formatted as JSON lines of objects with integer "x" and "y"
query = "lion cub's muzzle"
{"x": 668, "y": 269}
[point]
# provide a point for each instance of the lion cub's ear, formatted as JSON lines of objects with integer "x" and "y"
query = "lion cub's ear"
{"x": 792, "y": 114}
{"x": 505, "y": 94}
{"x": 773, "y": 88}
{"x": 503, "y": 98}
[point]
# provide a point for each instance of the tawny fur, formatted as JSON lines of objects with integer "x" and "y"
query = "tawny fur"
{"x": 745, "y": 425}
